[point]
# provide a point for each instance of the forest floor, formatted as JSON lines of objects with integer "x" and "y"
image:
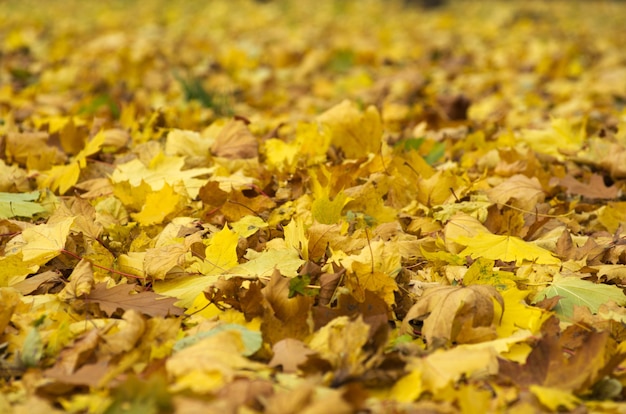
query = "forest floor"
{"x": 312, "y": 206}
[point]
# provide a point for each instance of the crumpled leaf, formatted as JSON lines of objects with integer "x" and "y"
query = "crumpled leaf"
{"x": 593, "y": 355}
{"x": 455, "y": 313}
{"x": 284, "y": 316}
{"x": 81, "y": 282}
{"x": 341, "y": 343}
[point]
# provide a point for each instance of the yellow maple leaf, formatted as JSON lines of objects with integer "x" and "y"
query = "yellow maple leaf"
{"x": 132, "y": 196}
{"x": 210, "y": 363}
{"x": 64, "y": 177}
{"x": 524, "y": 192}
{"x": 295, "y": 236}
{"x": 308, "y": 148}
{"x": 379, "y": 256}
{"x": 356, "y": 133}
{"x": 441, "y": 187}
{"x": 554, "y": 398}
{"x": 506, "y": 248}
{"x": 189, "y": 144}
{"x": 13, "y": 269}
{"x": 158, "y": 261}
{"x": 443, "y": 368}
{"x": 248, "y": 225}
{"x": 184, "y": 288}
{"x": 518, "y": 315}
{"x": 286, "y": 260}
{"x": 220, "y": 253}
{"x": 365, "y": 279}
{"x": 341, "y": 342}
{"x": 45, "y": 241}
{"x": 159, "y": 205}
{"x": 61, "y": 177}
{"x": 454, "y": 313}
{"x": 161, "y": 170}
{"x": 559, "y": 138}
{"x": 327, "y": 211}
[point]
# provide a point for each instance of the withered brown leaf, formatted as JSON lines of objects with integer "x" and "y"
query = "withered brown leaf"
{"x": 122, "y": 297}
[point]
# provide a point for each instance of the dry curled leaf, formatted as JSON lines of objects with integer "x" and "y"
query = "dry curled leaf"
{"x": 455, "y": 314}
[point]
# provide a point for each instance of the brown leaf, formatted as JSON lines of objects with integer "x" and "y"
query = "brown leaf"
{"x": 246, "y": 392}
{"x": 565, "y": 245}
{"x": 548, "y": 303}
{"x": 80, "y": 352}
{"x": 455, "y": 107}
{"x": 328, "y": 285}
{"x": 121, "y": 297}
{"x": 284, "y": 317}
{"x": 594, "y": 189}
{"x": 212, "y": 195}
{"x": 373, "y": 309}
{"x": 239, "y": 205}
{"x": 518, "y": 190}
{"x": 288, "y": 354}
{"x": 40, "y": 284}
{"x": 235, "y": 141}
{"x": 89, "y": 375}
{"x": 230, "y": 292}
{"x": 561, "y": 362}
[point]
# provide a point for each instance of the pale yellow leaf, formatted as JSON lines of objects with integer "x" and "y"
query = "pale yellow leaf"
{"x": 45, "y": 241}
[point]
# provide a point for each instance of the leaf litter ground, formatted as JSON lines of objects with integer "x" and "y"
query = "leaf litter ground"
{"x": 291, "y": 207}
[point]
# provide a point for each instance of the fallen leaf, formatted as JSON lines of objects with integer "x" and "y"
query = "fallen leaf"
{"x": 125, "y": 297}
{"x": 524, "y": 192}
{"x": 284, "y": 317}
{"x": 210, "y": 363}
{"x": 594, "y": 189}
{"x": 450, "y": 313}
{"x": 356, "y": 133}
{"x": 19, "y": 205}
{"x": 505, "y": 248}
{"x": 575, "y": 291}
{"x": 45, "y": 241}
{"x": 288, "y": 354}
{"x": 235, "y": 141}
